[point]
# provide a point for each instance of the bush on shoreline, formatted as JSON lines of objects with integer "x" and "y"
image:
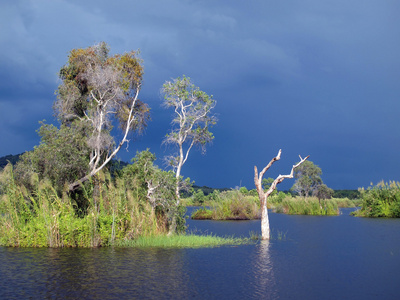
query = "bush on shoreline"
{"x": 382, "y": 200}
{"x": 46, "y": 219}
{"x": 307, "y": 206}
{"x": 119, "y": 217}
{"x": 234, "y": 205}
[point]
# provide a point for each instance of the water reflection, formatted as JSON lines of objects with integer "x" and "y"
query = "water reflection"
{"x": 322, "y": 258}
{"x": 264, "y": 284}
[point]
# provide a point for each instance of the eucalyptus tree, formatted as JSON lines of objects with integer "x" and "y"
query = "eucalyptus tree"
{"x": 191, "y": 122}
{"x": 308, "y": 179}
{"x": 100, "y": 91}
{"x": 263, "y": 195}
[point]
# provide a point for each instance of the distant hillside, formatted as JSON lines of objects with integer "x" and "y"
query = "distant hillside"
{"x": 9, "y": 158}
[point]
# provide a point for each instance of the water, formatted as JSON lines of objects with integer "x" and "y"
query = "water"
{"x": 318, "y": 258}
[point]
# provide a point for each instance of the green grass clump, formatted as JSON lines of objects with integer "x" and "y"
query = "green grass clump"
{"x": 233, "y": 206}
{"x": 382, "y": 200}
{"x": 307, "y": 206}
{"x": 182, "y": 241}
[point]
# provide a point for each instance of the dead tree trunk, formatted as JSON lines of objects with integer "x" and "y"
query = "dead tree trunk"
{"x": 263, "y": 196}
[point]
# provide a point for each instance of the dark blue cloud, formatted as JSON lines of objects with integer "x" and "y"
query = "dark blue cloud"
{"x": 310, "y": 77}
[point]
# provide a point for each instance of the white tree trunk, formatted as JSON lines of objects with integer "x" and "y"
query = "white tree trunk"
{"x": 265, "y": 232}
{"x": 263, "y": 196}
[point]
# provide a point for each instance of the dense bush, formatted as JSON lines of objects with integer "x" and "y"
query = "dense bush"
{"x": 117, "y": 209}
{"x": 382, "y": 200}
{"x": 232, "y": 205}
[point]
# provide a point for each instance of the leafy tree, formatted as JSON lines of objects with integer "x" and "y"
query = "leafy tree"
{"x": 191, "y": 123}
{"x": 308, "y": 178}
{"x": 99, "y": 91}
{"x": 198, "y": 197}
{"x": 244, "y": 190}
{"x": 266, "y": 183}
{"x": 154, "y": 185}
{"x": 62, "y": 156}
{"x": 322, "y": 192}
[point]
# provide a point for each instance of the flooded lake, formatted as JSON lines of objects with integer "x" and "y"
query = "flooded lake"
{"x": 309, "y": 257}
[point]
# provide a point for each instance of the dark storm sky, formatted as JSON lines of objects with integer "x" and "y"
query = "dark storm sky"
{"x": 312, "y": 77}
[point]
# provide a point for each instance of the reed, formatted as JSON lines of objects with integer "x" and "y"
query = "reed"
{"x": 307, "y": 206}
{"x": 183, "y": 241}
{"x": 46, "y": 219}
{"x": 232, "y": 206}
{"x": 382, "y": 200}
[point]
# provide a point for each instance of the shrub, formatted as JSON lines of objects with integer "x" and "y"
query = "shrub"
{"x": 232, "y": 206}
{"x": 382, "y": 200}
{"x": 46, "y": 219}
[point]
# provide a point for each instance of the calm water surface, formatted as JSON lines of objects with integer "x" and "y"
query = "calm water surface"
{"x": 319, "y": 258}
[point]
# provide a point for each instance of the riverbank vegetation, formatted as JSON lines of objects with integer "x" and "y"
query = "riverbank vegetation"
{"x": 184, "y": 241}
{"x": 69, "y": 192}
{"x": 381, "y": 200}
{"x": 120, "y": 215}
{"x": 244, "y": 205}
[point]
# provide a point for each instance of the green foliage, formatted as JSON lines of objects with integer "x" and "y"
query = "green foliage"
{"x": 184, "y": 241}
{"x": 13, "y": 159}
{"x": 277, "y": 198}
{"x": 322, "y": 191}
{"x": 307, "y": 206}
{"x": 233, "y": 205}
{"x": 382, "y": 200}
{"x": 191, "y": 122}
{"x": 266, "y": 183}
{"x": 122, "y": 209}
{"x": 244, "y": 190}
{"x": 61, "y": 157}
{"x": 350, "y": 194}
{"x": 198, "y": 197}
{"x": 308, "y": 177}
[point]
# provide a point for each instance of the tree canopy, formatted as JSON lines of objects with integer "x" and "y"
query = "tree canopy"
{"x": 191, "y": 122}
{"x": 100, "y": 91}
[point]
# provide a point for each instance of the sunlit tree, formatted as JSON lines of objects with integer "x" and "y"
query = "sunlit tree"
{"x": 308, "y": 179}
{"x": 263, "y": 195}
{"x": 190, "y": 124}
{"x": 101, "y": 91}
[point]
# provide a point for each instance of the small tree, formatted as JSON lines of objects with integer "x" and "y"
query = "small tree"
{"x": 153, "y": 184}
{"x": 263, "y": 196}
{"x": 322, "y": 191}
{"x": 308, "y": 178}
{"x": 191, "y": 123}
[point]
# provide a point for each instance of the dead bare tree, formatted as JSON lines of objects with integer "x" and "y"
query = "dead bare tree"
{"x": 263, "y": 196}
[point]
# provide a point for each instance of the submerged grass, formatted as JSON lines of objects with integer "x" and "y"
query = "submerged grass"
{"x": 307, "y": 206}
{"x": 183, "y": 241}
{"x": 233, "y": 205}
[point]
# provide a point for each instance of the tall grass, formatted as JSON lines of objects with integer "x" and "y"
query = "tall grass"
{"x": 46, "y": 219}
{"x": 233, "y": 205}
{"x": 382, "y": 200}
{"x": 307, "y": 206}
{"x": 183, "y": 241}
